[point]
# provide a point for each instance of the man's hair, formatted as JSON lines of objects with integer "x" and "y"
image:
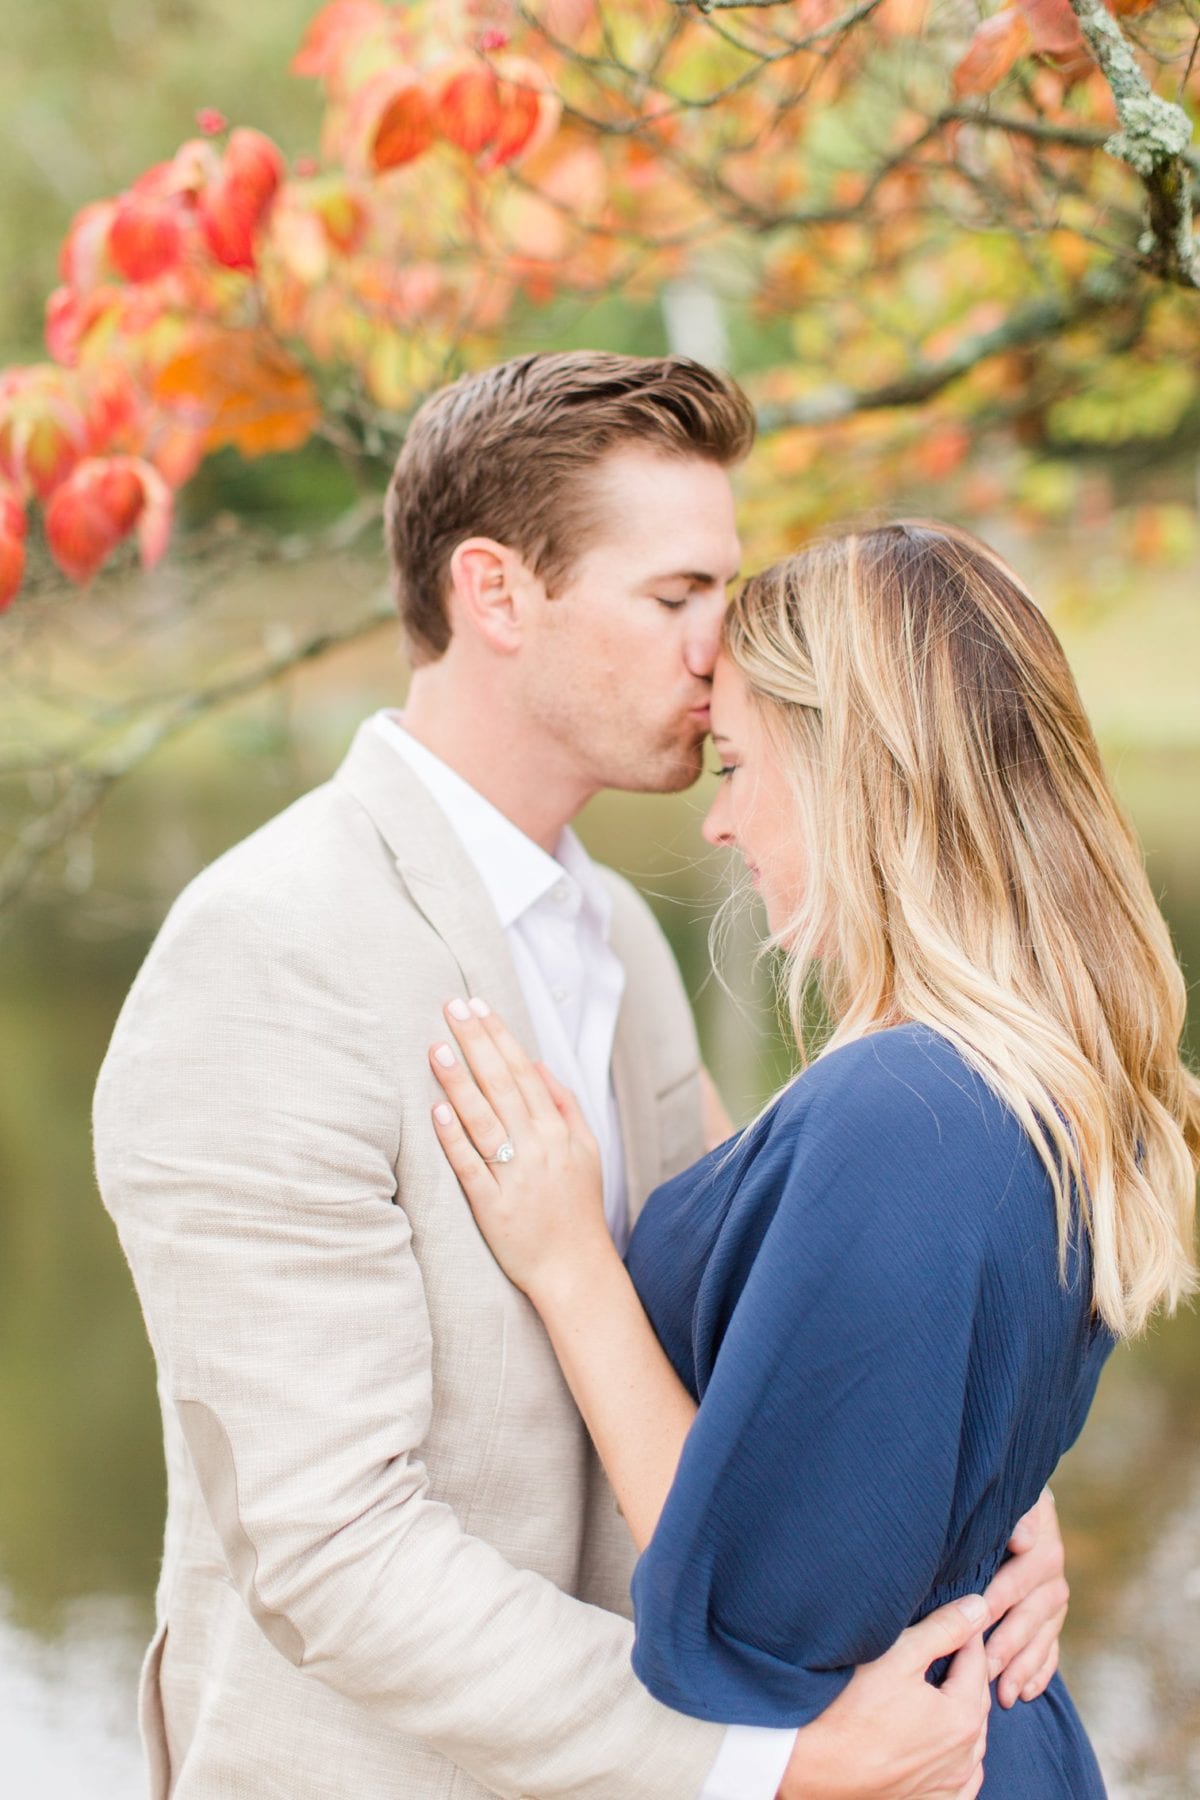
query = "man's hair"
{"x": 506, "y": 454}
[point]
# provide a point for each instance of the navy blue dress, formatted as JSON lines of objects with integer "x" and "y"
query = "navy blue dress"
{"x": 863, "y": 1294}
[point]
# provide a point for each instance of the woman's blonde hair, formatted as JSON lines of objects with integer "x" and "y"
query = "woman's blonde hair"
{"x": 969, "y": 868}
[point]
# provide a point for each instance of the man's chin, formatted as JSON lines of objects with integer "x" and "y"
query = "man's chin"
{"x": 671, "y": 771}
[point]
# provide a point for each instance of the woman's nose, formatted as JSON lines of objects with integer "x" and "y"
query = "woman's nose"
{"x": 715, "y": 829}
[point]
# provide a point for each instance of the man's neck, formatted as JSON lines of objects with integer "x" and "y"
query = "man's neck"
{"x": 478, "y": 737}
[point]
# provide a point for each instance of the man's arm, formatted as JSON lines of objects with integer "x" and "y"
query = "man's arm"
{"x": 246, "y": 1140}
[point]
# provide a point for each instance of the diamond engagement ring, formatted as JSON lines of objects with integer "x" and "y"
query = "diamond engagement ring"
{"x": 504, "y": 1154}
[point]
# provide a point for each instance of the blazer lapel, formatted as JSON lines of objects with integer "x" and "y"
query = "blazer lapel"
{"x": 439, "y": 875}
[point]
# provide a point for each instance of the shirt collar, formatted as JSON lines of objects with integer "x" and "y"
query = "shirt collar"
{"x": 516, "y": 872}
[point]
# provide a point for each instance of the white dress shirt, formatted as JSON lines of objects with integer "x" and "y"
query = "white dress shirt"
{"x": 555, "y": 911}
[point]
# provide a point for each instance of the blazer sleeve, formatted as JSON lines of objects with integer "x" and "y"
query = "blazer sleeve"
{"x": 246, "y": 1142}
{"x": 810, "y": 1512}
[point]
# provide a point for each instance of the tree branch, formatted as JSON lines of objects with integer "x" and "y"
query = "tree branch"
{"x": 1044, "y": 318}
{"x": 89, "y": 786}
{"x": 1153, "y": 141}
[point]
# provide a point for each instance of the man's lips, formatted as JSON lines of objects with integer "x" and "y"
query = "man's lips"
{"x": 700, "y": 712}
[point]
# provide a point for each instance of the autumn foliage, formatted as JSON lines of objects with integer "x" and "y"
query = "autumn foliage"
{"x": 896, "y": 185}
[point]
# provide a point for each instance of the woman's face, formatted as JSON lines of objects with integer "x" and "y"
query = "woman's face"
{"x": 755, "y": 811}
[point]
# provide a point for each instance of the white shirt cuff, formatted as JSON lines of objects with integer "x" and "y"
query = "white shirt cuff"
{"x": 750, "y": 1763}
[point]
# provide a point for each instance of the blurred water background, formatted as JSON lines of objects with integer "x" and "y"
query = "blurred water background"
{"x": 81, "y": 1486}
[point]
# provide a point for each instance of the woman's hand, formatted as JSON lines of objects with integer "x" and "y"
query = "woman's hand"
{"x": 542, "y": 1212}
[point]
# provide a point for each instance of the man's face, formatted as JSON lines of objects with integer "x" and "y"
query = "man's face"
{"x": 619, "y": 666}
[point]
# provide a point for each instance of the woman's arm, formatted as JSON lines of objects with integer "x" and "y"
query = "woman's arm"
{"x": 542, "y": 1214}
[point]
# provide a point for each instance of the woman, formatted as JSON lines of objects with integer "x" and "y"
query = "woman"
{"x": 892, "y": 1295}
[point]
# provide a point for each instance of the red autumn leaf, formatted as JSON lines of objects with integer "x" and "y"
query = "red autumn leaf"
{"x": 145, "y": 238}
{"x": 253, "y": 165}
{"x": 43, "y": 427}
{"x": 12, "y": 569}
{"x": 83, "y": 261}
{"x": 70, "y": 316}
{"x": 335, "y": 27}
{"x": 998, "y": 43}
{"x": 12, "y": 546}
{"x": 86, "y": 520}
{"x": 468, "y": 109}
{"x": 1053, "y": 27}
{"x": 98, "y": 506}
{"x": 530, "y": 112}
{"x": 233, "y": 208}
{"x": 112, "y": 404}
{"x": 227, "y": 226}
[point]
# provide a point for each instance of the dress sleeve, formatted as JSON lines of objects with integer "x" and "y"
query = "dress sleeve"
{"x": 811, "y": 1511}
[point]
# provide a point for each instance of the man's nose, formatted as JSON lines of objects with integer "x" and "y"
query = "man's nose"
{"x": 703, "y": 643}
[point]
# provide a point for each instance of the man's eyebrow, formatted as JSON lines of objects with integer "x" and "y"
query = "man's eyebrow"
{"x": 697, "y": 577}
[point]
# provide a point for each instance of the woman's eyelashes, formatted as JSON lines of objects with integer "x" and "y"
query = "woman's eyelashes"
{"x": 723, "y": 769}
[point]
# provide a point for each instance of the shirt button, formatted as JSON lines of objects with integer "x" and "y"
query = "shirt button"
{"x": 561, "y": 994}
{"x": 562, "y": 893}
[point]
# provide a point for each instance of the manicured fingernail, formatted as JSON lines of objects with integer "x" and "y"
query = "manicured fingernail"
{"x": 444, "y": 1054}
{"x": 994, "y": 1666}
{"x": 973, "y": 1607}
{"x": 443, "y": 1113}
{"x": 480, "y": 1008}
{"x": 458, "y": 1009}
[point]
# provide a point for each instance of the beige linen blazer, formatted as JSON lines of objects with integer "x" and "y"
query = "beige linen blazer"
{"x": 393, "y": 1569}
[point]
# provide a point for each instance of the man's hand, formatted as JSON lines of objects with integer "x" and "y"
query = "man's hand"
{"x": 1029, "y": 1596}
{"x": 890, "y": 1735}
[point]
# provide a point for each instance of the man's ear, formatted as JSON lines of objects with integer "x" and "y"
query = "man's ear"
{"x": 490, "y": 587}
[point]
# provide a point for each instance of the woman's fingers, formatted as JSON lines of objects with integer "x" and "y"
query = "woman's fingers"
{"x": 483, "y": 1125}
{"x": 523, "y": 1073}
{"x": 561, "y": 1098}
{"x": 476, "y": 1179}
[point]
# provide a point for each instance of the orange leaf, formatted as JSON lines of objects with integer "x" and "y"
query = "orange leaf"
{"x": 997, "y": 44}
{"x": 405, "y": 129}
{"x": 240, "y": 388}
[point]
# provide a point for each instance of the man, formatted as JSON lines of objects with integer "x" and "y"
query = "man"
{"x": 392, "y": 1565}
